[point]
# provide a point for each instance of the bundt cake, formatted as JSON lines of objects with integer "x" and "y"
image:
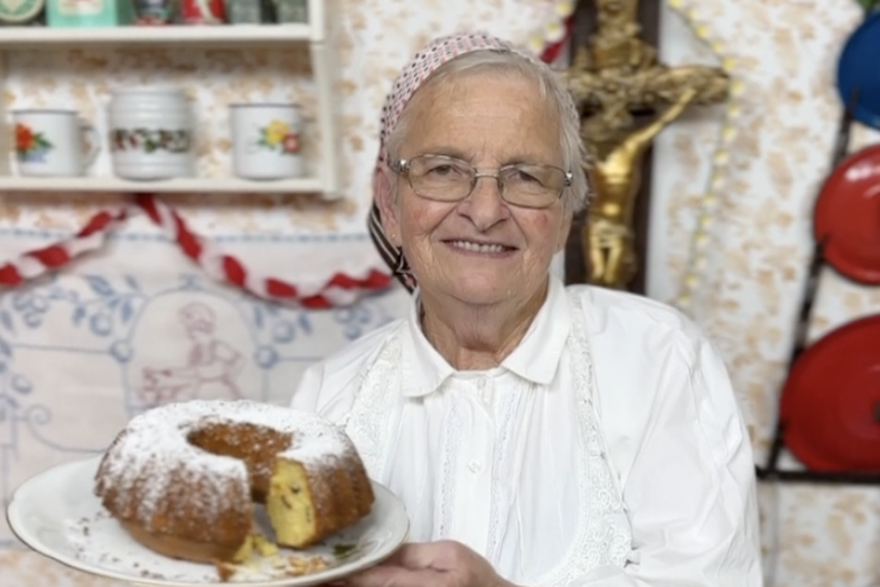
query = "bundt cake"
{"x": 182, "y": 478}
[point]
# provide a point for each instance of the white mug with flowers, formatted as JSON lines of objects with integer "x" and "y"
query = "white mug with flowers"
{"x": 266, "y": 141}
{"x": 53, "y": 142}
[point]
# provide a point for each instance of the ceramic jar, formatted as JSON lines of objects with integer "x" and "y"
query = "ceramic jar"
{"x": 151, "y": 133}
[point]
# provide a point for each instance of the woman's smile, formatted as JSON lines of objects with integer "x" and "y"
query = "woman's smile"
{"x": 481, "y": 248}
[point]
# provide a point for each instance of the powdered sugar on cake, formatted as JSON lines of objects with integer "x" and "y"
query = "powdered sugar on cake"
{"x": 156, "y": 441}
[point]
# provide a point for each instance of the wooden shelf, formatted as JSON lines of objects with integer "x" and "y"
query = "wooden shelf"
{"x": 170, "y": 35}
{"x": 313, "y": 33}
{"x": 178, "y": 185}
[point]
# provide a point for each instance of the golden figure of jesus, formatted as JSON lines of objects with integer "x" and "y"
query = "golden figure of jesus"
{"x": 615, "y": 75}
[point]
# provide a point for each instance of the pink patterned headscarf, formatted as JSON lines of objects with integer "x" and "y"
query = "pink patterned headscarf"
{"x": 410, "y": 79}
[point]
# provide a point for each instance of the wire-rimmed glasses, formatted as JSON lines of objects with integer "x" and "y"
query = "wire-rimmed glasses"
{"x": 449, "y": 179}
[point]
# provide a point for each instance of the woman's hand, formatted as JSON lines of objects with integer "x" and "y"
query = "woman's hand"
{"x": 433, "y": 564}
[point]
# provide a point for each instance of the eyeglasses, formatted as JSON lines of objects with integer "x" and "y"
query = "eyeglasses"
{"x": 447, "y": 179}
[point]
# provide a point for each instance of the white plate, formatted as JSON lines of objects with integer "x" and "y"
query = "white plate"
{"x": 57, "y": 514}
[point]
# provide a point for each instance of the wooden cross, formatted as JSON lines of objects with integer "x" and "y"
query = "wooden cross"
{"x": 613, "y": 77}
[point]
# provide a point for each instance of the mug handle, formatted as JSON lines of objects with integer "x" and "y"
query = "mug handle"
{"x": 92, "y": 139}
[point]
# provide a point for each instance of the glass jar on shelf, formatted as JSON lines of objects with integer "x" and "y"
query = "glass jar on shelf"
{"x": 292, "y": 11}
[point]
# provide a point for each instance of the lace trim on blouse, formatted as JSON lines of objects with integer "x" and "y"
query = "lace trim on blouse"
{"x": 604, "y": 536}
{"x": 367, "y": 424}
{"x": 451, "y": 435}
{"x": 501, "y": 475}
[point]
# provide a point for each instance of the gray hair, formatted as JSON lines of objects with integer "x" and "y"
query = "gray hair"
{"x": 551, "y": 86}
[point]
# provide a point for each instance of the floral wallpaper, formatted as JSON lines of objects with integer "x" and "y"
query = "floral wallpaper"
{"x": 762, "y": 159}
{"x": 748, "y": 289}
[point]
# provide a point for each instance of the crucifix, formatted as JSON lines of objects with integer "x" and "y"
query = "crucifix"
{"x": 613, "y": 77}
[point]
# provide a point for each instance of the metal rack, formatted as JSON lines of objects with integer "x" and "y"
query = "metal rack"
{"x": 771, "y": 471}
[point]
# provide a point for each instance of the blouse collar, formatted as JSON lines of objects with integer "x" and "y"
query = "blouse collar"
{"x": 535, "y": 359}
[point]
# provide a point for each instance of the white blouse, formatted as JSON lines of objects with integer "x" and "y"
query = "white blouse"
{"x": 607, "y": 450}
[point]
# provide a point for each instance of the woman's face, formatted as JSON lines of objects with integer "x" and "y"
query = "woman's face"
{"x": 479, "y": 250}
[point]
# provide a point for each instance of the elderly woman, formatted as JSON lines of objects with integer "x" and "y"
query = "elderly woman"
{"x": 538, "y": 434}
